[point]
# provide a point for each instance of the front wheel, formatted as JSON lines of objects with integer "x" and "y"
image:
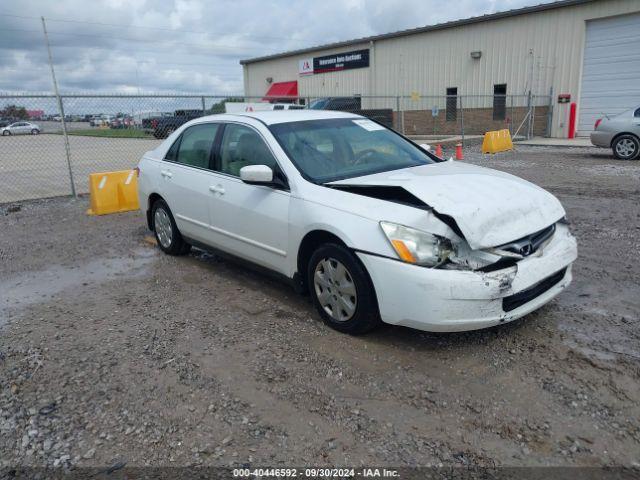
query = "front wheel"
{"x": 626, "y": 147}
{"x": 167, "y": 234}
{"x": 35, "y": 131}
{"x": 341, "y": 290}
{"x": 5, "y": 133}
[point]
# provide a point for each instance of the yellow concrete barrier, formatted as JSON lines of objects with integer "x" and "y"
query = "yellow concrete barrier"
{"x": 497, "y": 141}
{"x": 113, "y": 192}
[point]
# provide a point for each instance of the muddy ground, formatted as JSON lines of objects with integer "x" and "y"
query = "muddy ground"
{"x": 111, "y": 352}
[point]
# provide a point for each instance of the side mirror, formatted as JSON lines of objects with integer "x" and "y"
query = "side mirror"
{"x": 256, "y": 174}
{"x": 425, "y": 146}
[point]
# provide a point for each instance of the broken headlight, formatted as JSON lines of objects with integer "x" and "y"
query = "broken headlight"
{"x": 417, "y": 247}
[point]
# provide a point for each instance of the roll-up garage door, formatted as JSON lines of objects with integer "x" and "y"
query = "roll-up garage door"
{"x": 611, "y": 69}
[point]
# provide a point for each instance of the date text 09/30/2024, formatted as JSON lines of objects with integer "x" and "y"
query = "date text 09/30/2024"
{"x": 315, "y": 472}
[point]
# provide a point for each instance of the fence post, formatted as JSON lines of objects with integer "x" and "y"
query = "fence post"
{"x": 60, "y": 108}
{"x": 511, "y": 118}
{"x": 550, "y": 113}
{"x": 532, "y": 124}
{"x": 398, "y": 114}
{"x": 462, "y": 120}
{"x": 204, "y": 109}
{"x": 529, "y": 112}
{"x": 402, "y": 115}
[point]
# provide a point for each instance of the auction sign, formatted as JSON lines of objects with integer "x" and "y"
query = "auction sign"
{"x": 341, "y": 61}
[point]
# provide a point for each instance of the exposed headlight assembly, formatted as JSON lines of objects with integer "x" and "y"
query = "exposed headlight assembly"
{"x": 414, "y": 246}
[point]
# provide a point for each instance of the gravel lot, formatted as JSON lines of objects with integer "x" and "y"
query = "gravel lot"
{"x": 112, "y": 352}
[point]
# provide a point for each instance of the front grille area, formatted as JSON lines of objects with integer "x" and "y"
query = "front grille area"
{"x": 514, "y": 301}
{"x": 531, "y": 243}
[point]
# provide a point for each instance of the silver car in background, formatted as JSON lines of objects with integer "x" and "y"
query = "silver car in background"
{"x": 20, "y": 128}
{"x": 620, "y": 133}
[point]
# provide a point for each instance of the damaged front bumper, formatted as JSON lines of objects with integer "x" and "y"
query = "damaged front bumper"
{"x": 442, "y": 300}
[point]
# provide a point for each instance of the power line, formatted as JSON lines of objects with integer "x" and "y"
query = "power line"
{"x": 207, "y": 65}
{"x": 137, "y": 50}
{"x": 109, "y": 70}
{"x": 133, "y": 39}
{"x": 117, "y": 25}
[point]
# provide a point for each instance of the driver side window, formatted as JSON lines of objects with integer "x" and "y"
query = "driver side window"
{"x": 242, "y": 146}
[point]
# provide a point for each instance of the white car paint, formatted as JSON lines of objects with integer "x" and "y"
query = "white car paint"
{"x": 20, "y": 128}
{"x": 267, "y": 225}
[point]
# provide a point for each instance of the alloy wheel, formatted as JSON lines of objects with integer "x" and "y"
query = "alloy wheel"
{"x": 626, "y": 148}
{"x": 163, "y": 228}
{"x": 335, "y": 289}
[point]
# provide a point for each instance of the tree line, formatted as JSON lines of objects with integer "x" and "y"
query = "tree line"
{"x": 14, "y": 111}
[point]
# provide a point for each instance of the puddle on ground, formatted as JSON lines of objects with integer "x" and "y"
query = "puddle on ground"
{"x": 33, "y": 287}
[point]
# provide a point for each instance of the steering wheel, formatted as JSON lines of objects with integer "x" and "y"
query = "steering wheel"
{"x": 361, "y": 156}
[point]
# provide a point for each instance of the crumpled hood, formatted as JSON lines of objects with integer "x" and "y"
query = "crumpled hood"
{"x": 490, "y": 207}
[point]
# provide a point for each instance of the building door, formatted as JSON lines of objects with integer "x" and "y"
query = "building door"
{"x": 611, "y": 69}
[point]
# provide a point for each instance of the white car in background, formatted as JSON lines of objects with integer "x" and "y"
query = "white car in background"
{"x": 242, "y": 107}
{"x": 20, "y": 128}
{"x": 372, "y": 225}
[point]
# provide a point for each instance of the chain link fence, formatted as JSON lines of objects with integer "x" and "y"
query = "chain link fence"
{"x": 47, "y": 150}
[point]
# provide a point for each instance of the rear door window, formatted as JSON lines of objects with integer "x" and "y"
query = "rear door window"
{"x": 195, "y": 145}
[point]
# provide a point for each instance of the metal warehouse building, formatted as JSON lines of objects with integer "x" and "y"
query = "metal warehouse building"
{"x": 495, "y": 67}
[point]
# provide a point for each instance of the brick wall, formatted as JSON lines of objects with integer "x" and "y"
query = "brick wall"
{"x": 477, "y": 121}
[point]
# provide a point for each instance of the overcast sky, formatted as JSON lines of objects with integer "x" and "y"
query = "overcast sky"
{"x": 190, "y": 45}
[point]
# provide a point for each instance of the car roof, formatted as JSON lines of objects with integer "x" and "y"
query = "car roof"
{"x": 271, "y": 117}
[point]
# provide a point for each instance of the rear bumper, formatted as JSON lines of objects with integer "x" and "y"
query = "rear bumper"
{"x": 443, "y": 300}
{"x": 601, "y": 139}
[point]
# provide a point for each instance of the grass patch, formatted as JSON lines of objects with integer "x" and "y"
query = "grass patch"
{"x": 111, "y": 133}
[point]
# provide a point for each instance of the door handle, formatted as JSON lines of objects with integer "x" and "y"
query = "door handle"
{"x": 217, "y": 189}
{"x": 166, "y": 173}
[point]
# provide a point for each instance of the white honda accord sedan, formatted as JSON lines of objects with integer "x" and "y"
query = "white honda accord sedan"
{"x": 373, "y": 226}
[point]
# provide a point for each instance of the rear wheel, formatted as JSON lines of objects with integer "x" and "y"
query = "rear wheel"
{"x": 167, "y": 234}
{"x": 626, "y": 147}
{"x": 341, "y": 290}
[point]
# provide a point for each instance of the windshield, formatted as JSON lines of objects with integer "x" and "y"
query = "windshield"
{"x": 318, "y": 104}
{"x": 338, "y": 148}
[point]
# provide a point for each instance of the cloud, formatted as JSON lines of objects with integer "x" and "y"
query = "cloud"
{"x": 189, "y": 45}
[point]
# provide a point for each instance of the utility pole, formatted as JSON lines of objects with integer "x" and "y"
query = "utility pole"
{"x": 60, "y": 108}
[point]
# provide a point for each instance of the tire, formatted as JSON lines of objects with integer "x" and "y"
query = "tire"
{"x": 5, "y": 133}
{"x": 345, "y": 299}
{"x": 626, "y": 147}
{"x": 35, "y": 131}
{"x": 165, "y": 230}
